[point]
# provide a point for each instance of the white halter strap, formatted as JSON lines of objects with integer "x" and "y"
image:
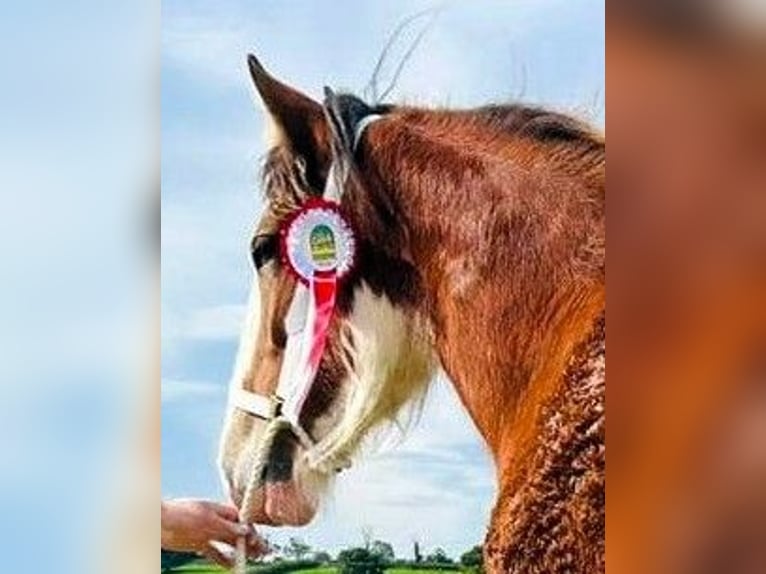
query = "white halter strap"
{"x": 259, "y": 405}
{"x": 285, "y": 404}
{"x": 363, "y": 124}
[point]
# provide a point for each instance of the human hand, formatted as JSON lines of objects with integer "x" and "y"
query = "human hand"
{"x": 191, "y": 525}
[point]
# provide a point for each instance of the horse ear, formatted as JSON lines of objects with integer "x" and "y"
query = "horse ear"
{"x": 298, "y": 119}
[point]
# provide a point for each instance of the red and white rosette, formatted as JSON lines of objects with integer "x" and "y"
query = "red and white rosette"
{"x": 318, "y": 247}
{"x": 317, "y": 239}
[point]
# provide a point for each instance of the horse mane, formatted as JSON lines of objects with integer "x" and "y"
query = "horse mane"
{"x": 569, "y": 142}
{"x": 572, "y": 139}
{"x": 285, "y": 183}
{"x": 540, "y": 124}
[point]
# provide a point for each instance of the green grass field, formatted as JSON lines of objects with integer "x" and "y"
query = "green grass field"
{"x": 199, "y": 568}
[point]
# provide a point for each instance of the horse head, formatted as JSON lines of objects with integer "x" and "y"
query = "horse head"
{"x": 374, "y": 353}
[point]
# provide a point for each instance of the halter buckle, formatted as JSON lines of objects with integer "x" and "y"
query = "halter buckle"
{"x": 276, "y": 406}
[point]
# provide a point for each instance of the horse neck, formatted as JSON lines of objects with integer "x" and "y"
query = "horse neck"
{"x": 511, "y": 398}
{"x": 506, "y": 325}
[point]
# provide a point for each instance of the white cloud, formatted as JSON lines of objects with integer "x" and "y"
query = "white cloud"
{"x": 177, "y": 390}
{"x": 222, "y": 322}
{"x": 214, "y": 324}
{"x": 447, "y": 67}
{"x": 194, "y": 46}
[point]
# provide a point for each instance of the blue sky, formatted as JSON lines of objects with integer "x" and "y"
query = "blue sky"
{"x": 437, "y": 484}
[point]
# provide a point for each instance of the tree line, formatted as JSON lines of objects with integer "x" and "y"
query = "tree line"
{"x": 372, "y": 557}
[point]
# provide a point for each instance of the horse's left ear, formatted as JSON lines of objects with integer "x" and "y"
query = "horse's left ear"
{"x": 344, "y": 113}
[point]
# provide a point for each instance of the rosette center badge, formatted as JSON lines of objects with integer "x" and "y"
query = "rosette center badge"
{"x": 318, "y": 240}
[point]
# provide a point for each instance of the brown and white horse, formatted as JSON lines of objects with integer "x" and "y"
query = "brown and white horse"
{"x": 480, "y": 241}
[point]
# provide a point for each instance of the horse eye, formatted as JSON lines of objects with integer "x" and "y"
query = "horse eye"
{"x": 263, "y": 249}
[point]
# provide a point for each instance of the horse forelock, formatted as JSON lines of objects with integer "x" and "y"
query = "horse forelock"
{"x": 284, "y": 184}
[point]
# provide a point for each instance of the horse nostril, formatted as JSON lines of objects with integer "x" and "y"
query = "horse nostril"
{"x": 280, "y": 471}
{"x": 279, "y": 467}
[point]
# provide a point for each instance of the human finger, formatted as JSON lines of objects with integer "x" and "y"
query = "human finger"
{"x": 225, "y": 511}
{"x": 226, "y": 531}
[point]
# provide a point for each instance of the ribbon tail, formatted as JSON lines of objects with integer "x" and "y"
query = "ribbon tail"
{"x": 323, "y": 290}
{"x": 297, "y": 314}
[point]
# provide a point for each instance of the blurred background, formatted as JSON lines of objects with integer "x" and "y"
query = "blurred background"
{"x": 687, "y": 248}
{"x": 79, "y": 166}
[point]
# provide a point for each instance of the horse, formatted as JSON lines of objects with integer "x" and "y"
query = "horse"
{"x": 479, "y": 250}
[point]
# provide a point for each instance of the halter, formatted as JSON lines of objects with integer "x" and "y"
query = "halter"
{"x": 312, "y": 306}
